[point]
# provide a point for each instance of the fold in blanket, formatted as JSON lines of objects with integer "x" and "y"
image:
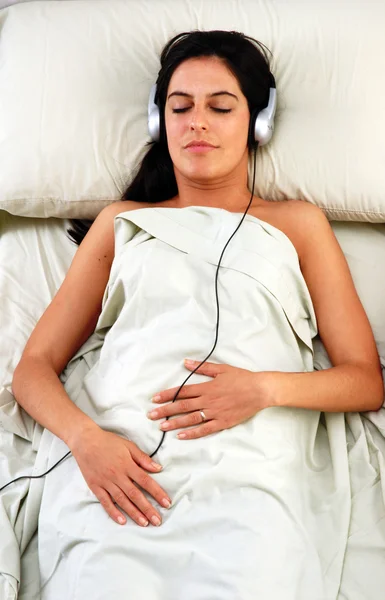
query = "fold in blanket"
{"x": 259, "y": 510}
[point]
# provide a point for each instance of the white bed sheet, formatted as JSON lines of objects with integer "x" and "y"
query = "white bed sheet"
{"x": 36, "y": 253}
{"x": 34, "y": 257}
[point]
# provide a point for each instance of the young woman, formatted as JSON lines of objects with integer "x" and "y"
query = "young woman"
{"x": 240, "y": 470}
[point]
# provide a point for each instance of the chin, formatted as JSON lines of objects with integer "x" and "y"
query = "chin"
{"x": 202, "y": 173}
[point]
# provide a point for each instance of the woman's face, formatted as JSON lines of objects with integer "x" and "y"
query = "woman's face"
{"x": 205, "y": 104}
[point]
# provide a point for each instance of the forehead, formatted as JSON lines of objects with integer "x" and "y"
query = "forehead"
{"x": 204, "y": 73}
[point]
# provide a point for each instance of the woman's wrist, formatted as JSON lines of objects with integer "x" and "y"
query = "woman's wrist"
{"x": 80, "y": 431}
{"x": 267, "y": 389}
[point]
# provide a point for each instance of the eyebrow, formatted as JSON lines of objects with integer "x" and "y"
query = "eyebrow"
{"x": 220, "y": 93}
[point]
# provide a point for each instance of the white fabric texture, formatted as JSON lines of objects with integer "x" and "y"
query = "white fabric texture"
{"x": 346, "y": 516}
{"x": 35, "y": 255}
{"x": 75, "y": 79}
{"x": 245, "y": 499}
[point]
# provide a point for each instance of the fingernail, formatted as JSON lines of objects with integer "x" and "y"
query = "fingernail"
{"x": 156, "y": 398}
{"x": 156, "y": 466}
{"x": 181, "y": 436}
{"x": 155, "y": 521}
{"x": 165, "y": 425}
{"x": 166, "y": 503}
{"x": 121, "y": 520}
{"x": 152, "y": 414}
{"x": 143, "y": 521}
{"x": 188, "y": 361}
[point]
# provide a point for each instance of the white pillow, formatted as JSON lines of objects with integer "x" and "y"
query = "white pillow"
{"x": 75, "y": 78}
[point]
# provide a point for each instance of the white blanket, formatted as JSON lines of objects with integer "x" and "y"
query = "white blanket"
{"x": 257, "y": 511}
{"x": 262, "y": 510}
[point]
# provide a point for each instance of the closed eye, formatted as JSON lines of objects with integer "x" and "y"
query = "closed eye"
{"x": 220, "y": 110}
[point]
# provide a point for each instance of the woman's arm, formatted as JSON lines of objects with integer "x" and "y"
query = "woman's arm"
{"x": 345, "y": 388}
{"x": 354, "y": 383}
{"x": 111, "y": 465}
{"x": 65, "y": 325}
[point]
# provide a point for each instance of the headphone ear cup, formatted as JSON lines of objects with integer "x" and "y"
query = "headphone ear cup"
{"x": 251, "y": 141}
{"x": 154, "y": 124}
{"x": 153, "y": 116}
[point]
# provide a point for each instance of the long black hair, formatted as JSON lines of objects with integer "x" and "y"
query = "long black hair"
{"x": 246, "y": 58}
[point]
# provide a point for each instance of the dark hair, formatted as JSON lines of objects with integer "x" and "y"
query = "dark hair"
{"x": 247, "y": 60}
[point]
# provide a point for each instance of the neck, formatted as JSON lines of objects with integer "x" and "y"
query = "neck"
{"x": 224, "y": 197}
{"x": 228, "y": 193}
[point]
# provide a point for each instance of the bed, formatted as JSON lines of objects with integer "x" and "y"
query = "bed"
{"x": 74, "y": 82}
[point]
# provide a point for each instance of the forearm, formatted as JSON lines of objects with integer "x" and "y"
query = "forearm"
{"x": 344, "y": 388}
{"x": 38, "y": 389}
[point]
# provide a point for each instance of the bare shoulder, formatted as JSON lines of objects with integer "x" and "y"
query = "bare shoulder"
{"x": 115, "y": 208}
{"x": 299, "y": 220}
{"x": 308, "y": 225}
{"x": 299, "y": 208}
{"x": 99, "y": 243}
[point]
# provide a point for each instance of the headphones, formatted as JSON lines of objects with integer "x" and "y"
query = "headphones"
{"x": 261, "y": 121}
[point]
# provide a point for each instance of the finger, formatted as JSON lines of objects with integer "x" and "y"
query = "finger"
{"x": 105, "y": 500}
{"x": 128, "y": 490}
{"x": 206, "y": 428}
{"x": 121, "y": 498}
{"x": 208, "y": 368}
{"x": 188, "y": 391}
{"x": 142, "y": 459}
{"x": 178, "y": 407}
{"x": 145, "y": 481}
{"x": 194, "y": 418}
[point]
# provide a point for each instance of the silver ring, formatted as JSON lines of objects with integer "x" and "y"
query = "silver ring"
{"x": 202, "y": 415}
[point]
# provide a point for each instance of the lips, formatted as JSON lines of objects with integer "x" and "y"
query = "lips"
{"x": 199, "y": 144}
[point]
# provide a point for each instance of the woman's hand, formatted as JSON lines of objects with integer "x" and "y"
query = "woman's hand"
{"x": 233, "y": 396}
{"x": 114, "y": 470}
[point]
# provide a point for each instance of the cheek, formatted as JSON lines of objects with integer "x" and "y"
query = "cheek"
{"x": 174, "y": 132}
{"x": 237, "y": 133}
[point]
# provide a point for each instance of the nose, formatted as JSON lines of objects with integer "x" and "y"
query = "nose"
{"x": 198, "y": 120}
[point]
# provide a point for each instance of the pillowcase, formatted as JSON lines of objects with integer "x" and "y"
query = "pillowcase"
{"x": 75, "y": 79}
